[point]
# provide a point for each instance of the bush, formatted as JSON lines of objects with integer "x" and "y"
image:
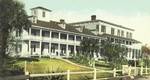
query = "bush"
{"x": 81, "y": 59}
{"x": 28, "y": 59}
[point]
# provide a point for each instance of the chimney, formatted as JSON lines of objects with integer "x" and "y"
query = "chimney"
{"x": 62, "y": 24}
{"x": 62, "y": 21}
{"x": 93, "y": 17}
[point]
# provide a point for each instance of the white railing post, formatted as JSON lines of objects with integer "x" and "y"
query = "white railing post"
{"x": 129, "y": 71}
{"x": 94, "y": 74}
{"x": 135, "y": 71}
{"x": 25, "y": 67}
{"x": 141, "y": 71}
{"x": 68, "y": 74}
{"x": 114, "y": 72}
{"x": 146, "y": 70}
{"x": 27, "y": 74}
{"x": 123, "y": 70}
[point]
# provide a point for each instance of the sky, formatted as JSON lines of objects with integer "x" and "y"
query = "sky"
{"x": 129, "y": 13}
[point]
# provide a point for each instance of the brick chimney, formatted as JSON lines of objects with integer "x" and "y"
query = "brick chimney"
{"x": 93, "y": 17}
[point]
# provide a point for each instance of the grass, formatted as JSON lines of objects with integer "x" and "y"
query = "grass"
{"x": 46, "y": 65}
{"x": 49, "y": 65}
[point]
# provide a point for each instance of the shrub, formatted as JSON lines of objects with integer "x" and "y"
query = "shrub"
{"x": 81, "y": 59}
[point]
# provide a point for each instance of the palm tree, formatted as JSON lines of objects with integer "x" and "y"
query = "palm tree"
{"x": 12, "y": 17}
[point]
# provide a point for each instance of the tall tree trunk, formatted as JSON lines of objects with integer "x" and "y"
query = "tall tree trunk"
{"x": 3, "y": 42}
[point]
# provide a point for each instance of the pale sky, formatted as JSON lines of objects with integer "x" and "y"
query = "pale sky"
{"x": 130, "y": 13}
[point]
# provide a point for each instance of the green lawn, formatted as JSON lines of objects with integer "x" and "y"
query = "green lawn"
{"x": 50, "y": 65}
{"x": 46, "y": 65}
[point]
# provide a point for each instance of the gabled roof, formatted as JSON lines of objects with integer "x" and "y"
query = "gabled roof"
{"x": 39, "y": 7}
{"x": 103, "y": 22}
{"x": 70, "y": 28}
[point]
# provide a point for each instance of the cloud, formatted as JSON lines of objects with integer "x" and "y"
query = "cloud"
{"x": 139, "y": 22}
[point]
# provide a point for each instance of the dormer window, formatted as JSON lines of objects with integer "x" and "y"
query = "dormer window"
{"x": 103, "y": 28}
{"x": 97, "y": 27}
{"x": 43, "y": 14}
{"x": 34, "y": 12}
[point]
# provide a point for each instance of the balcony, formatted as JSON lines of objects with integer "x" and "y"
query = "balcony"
{"x": 36, "y": 38}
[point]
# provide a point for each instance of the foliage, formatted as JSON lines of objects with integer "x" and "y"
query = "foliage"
{"x": 89, "y": 46}
{"x": 12, "y": 17}
{"x": 81, "y": 59}
{"x": 145, "y": 61}
{"x": 114, "y": 53}
{"x": 145, "y": 50}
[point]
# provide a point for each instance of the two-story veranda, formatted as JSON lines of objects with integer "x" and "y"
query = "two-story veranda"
{"x": 54, "y": 39}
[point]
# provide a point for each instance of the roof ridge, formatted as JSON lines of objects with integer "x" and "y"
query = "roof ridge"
{"x": 111, "y": 23}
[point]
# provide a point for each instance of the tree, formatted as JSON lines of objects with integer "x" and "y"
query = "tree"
{"x": 12, "y": 17}
{"x": 114, "y": 53}
{"x": 89, "y": 46}
{"x": 145, "y": 55}
{"x": 145, "y": 50}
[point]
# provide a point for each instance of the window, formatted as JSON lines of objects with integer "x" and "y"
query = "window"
{"x": 43, "y": 14}
{"x": 130, "y": 35}
{"x": 71, "y": 37}
{"x": 122, "y": 33}
{"x": 35, "y": 32}
{"x": 18, "y": 48}
{"x": 18, "y": 33}
{"x": 103, "y": 28}
{"x": 78, "y": 38}
{"x": 55, "y": 34}
{"x": 97, "y": 27}
{"x": 45, "y": 33}
{"x": 112, "y": 31}
{"x": 34, "y": 12}
{"x": 63, "y": 36}
{"x": 112, "y": 39}
{"x": 118, "y": 33}
{"x": 130, "y": 43}
{"x": 133, "y": 53}
{"x": 116, "y": 40}
{"x": 127, "y": 34}
{"x": 127, "y": 42}
{"x": 33, "y": 47}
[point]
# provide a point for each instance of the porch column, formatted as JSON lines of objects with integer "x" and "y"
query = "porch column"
{"x": 134, "y": 53}
{"x": 50, "y": 43}
{"x": 67, "y": 50}
{"x": 40, "y": 49}
{"x": 29, "y": 42}
{"x": 29, "y": 48}
{"x": 67, "y": 46}
{"x": 40, "y": 42}
{"x": 29, "y": 32}
{"x": 128, "y": 54}
{"x": 81, "y": 37}
{"x": 59, "y": 44}
{"x": 131, "y": 53}
{"x": 75, "y": 45}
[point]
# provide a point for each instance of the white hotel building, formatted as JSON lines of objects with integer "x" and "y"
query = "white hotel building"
{"x": 59, "y": 39}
